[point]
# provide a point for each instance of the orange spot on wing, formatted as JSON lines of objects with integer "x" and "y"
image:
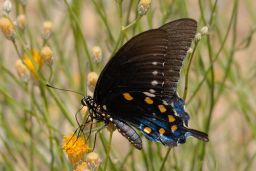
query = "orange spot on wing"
{"x": 161, "y": 131}
{"x": 162, "y": 108}
{"x": 174, "y": 128}
{"x": 127, "y": 96}
{"x": 147, "y": 130}
{"x": 148, "y": 100}
{"x": 171, "y": 118}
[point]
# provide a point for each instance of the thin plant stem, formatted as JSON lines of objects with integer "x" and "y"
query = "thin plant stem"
{"x": 108, "y": 151}
{"x": 187, "y": 72}
{"x": 165, "y": 159}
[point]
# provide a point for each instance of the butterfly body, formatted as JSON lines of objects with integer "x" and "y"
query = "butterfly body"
{"x": 137, "y": 88}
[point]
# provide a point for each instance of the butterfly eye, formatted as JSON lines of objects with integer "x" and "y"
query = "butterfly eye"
{"x": 83, "y": 102}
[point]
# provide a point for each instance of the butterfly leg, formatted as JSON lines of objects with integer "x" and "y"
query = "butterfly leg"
{"x": 96, "y": 133}
{"x": 128, "y": 132}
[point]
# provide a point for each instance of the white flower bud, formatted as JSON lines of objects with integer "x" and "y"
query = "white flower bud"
{"x": 7, "y": 6}
{"x": 204, "y": 30}
{"x": 198, "y": 36}
{"x": 190, "y": 50}
{"x": 97, "y": 54}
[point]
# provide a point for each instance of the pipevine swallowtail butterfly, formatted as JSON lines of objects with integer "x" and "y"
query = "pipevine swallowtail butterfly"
{"x": 137, "y": 87}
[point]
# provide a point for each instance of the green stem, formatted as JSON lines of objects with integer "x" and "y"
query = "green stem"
{"x": 16, "y": 49}
{"x": 187, "y": 72}
{"x": 108, "y": 151}
{"x": 165, "y": 159}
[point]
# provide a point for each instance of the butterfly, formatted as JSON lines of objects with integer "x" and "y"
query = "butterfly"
{"x": 137, "y": 87}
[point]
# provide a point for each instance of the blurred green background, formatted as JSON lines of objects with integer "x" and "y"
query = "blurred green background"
{"x": 220, "y": 96}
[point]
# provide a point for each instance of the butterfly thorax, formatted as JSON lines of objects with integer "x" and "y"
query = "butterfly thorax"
{"x": 95, "y": 110}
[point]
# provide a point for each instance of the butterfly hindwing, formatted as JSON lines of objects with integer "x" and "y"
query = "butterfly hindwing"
{"x": 153, "y": 117}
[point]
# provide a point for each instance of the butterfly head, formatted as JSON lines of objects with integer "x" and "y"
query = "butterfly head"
{"x": 95, "y": 110}
{"x": 88, "y": 101}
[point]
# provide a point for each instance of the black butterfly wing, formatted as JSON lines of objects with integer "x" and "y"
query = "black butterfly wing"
{"x": 156, "y": 119}
{"x": 149, "y": 62}
{"x": 145, "y": 69}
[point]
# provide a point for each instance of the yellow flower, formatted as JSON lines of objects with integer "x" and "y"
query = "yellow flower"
{"x": 75, "y": 147}
{"x": 82, "y": 167}
{"x": 30, "y": 63}
{"x": 7, "y": 28}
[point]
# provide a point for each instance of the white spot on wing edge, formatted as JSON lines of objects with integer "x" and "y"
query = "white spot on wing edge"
{"x": 155, "y": 72}
{"x": 152, "y": 91}
{"x": 165, "y": 102}
{"x": 154, "y": 83}
{"x": 149, "y": 94}
{"x": 154, "y": 63}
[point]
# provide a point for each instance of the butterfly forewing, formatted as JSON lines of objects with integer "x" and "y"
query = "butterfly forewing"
{"x": 149, "y": 62}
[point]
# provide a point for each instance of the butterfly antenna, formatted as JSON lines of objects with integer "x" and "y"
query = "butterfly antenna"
{"x": 48, "y": 85}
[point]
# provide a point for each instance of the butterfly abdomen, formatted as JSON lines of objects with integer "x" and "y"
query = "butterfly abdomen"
{"x": 128, "y": 132}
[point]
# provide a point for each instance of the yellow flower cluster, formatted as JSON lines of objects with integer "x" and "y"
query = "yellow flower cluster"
{"x": 75, "y": 147}
{"x": 79, "y": 154}
{"x": 34, "y": 63}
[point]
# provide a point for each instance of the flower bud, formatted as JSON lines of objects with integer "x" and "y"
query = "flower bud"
{"x": 22, "y": 70}
{"x": 84, "y": 110}
{"x": 82, "y": 167}
{"x": 190, "y": 50}
{"x": 47, "y": 29}
{"x": 204, "y": 30}
{"x": 93, "y": 160}
{"x": 198, "y": 36}
{"x": 21, "y": 21}
{"x": 47, "y": 55}
{"x": 92, "y": 80}
{"x": 144, "y": 6}
{"x": 7, "y": 28}
{"x": 7, "y": 7}
{"x": 97, "y": 54}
